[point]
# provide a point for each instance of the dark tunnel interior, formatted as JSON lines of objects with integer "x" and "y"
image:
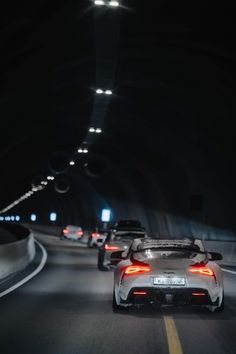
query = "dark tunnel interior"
{"x": 166, "y": 155}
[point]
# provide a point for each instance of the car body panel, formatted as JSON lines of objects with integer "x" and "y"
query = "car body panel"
{"x": 119, "y": 240}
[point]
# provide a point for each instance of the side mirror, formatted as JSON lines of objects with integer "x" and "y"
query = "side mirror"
{"x": 116, "y": 257}
{"x": 214, "y": 256}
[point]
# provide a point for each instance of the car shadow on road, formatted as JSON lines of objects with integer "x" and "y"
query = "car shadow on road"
{"x": 180, "y": 312}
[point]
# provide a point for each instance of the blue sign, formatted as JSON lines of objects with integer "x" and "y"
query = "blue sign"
{"x": 106, "y": 215}
{"x": 53, "y": 217}
{"x": 33, "y": 217}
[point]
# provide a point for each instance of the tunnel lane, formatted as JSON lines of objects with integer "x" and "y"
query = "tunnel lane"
{"x": 66, "y": 309}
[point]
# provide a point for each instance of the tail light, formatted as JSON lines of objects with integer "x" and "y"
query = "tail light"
{"x": 202, "y": 271}
{"x": 79, "y": 233}
{"x": 95, "y": 234}
{"x": 198, "y": 294}
{"x": 108, "y": 247}
{"x": 65, "y": 231}
{"x": 137, "y": 269}
{"x": 139, "y": 292}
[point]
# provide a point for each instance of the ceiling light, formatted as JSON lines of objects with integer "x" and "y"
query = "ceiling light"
{"x": 99, "y": 91}
{"x": 92, "y": 130}
{"x": 72, "y": 163}
{"x": 80, "y": 151}
{"x": 108, "y": 92}
{"x": 114, "y": 3}
{"x": 98, "y": 130}
{"x": 85, "y": 151}
{"x": 99, "y": 2}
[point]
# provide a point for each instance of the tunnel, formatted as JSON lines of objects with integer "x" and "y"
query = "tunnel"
{"x": 129, "y": 107}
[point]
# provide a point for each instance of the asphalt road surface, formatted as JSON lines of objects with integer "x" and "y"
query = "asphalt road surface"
{"x": 66, "y": 309}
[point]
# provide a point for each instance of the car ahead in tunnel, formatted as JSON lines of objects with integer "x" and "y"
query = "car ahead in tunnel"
{"x": 167, "y": 272}
{"x": 128, "y": 224}
{"x": 97, "y": 237}
{"x": 72, "y": 232}
{"x": 117, "y": 240}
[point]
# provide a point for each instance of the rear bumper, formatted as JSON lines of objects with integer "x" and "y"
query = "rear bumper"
{"x": 170, "y": 296}
{"x": 72, "y": 237}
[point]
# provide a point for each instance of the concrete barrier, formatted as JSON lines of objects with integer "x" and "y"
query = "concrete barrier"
{"x": 16, "y": 256}
{"x": 45, "y": 229}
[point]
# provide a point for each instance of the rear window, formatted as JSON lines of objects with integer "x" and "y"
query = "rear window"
{"x": 168, "y": 255}
{"x": 128, "y": 236}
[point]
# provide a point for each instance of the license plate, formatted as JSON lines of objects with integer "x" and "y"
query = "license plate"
{"x": 178, "y": 281}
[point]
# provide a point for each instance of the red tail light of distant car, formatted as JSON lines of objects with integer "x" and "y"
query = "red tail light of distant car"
{"x": 108, "y": 247}
{"x": 95, "y": 234}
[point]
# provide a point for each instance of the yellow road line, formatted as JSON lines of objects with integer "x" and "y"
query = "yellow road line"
{"x": 172, "y": 336}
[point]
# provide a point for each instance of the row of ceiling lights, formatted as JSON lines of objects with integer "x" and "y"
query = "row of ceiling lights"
{"x": 81, "y": 150}
{"x": 28, "y": 194}
{"x": 44, "y": 183}
{"x": 10, "y": 218}
{"x": 93, "y": 130}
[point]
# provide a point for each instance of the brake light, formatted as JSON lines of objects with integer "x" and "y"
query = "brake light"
{"x": 95, "y": 234}
{"x": 137, "y": 269}
{"x": 198, "y": 294}
{"x": 79, "y": 233}
{"x": 202, "y": 271}
{"x": 111, "y": 247}
{"x": 65, "y": 231}
{"x": 139, "y": 292}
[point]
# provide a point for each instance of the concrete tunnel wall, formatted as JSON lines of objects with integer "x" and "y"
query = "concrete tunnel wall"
{"x": 154, "y": 187}
{"x": 15, "y": 256}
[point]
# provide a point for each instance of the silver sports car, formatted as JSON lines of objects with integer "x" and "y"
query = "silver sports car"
{"x": 119, "y": 239}
{"x": 168, "y": 272}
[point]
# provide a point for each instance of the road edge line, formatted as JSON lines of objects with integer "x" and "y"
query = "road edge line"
{"x": 30, "y": 276}
{"x": 228, "y": 271}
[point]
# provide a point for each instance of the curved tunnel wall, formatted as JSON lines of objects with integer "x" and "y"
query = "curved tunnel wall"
{"x": 15, "y": 256}
{"x": 159, "y": 196}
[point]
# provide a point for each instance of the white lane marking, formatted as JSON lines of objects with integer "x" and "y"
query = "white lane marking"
{"x": 30, "y": 276}
{"x": 228, "y": 271}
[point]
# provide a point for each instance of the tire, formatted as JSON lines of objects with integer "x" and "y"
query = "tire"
{"x": 89, "y": 243}
{"x": 100, "y": 265}
{"x": 222, "y": 305}
{"x": 215, "y": 309}
{"x": 116, "y": 308}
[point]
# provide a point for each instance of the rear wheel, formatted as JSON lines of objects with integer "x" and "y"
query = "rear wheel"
{"x": 115, "y": 306}
{"x": 219, "y": 308}
{"x": 89, "y": 243}
{"x": 222, "y": 305}
{"x": 100, "y": 264}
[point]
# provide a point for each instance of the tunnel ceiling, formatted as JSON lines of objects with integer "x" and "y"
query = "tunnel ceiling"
{"x": 170, "y": 66}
